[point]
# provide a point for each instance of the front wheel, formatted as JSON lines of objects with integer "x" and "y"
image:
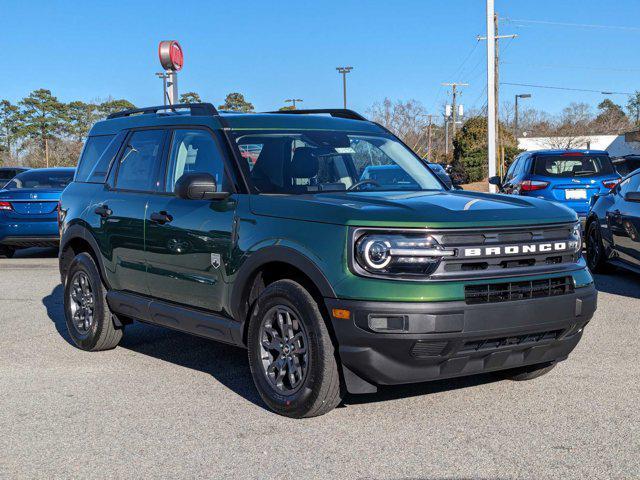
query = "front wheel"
{"x": 291, "y": 355}
{"x": 6, "y": 251}
{"x": 596, "y": 257}
{"x": 89, "y": 320}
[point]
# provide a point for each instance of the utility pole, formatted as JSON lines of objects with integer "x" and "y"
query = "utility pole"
{"x": 454, "y": 108}
{"x": 446, "y": 135}
{"x": 293, "y": 101}
{"x": 344, "y": 71}
{"x": 493, "y": 85}
{"x": 429, "y": 138}
{"x": 515, "y": 119}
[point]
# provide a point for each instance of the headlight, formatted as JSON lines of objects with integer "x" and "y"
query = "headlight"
{"x": 577, "y": 235}
{"x": 399, "y": 254}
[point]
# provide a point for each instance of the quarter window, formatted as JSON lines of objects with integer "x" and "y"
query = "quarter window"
{"x": 139, "y": 163}
{"x": 96, "y": 158}
{"x": 194, "y": 151}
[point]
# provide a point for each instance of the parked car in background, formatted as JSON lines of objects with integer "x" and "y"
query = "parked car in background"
{"x": 627, "y": 164}
{"x": 442, "y": 174}
{"x": 28, "y": 209}
{"x": 613, "y": 227}
{"x": 7, "y": 173}
{"x": 570, "y": 177}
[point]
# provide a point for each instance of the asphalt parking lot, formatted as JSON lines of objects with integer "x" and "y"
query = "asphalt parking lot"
{"x": 164, "y": 404}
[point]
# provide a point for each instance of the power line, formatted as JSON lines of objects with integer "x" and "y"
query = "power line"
{"x": 576, "y": 67}
{"x": 603, "y": 92}
{"x": 579, "y": 25}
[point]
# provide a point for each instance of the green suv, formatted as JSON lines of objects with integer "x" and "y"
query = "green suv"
{"x": 319, "y": 242}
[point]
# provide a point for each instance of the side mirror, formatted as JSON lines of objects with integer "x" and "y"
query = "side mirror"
{"x": 198, "y": 186}
{"x": 495, "y": 181}
{"x": 632, "y": 197}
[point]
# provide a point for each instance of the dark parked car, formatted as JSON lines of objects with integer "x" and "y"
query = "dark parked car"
{"x": 613, "y": 227}
{"x": 627, "y": 164}
{"x": 7, "y": 173}
{"x": 332, "y": 253}
{"x": 28, "y": 209}
{"x": 570, "y": 177}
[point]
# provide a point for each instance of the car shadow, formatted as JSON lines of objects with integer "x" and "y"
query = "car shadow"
{"x": 228, "y": 364}
{"x": 619, "y": 282}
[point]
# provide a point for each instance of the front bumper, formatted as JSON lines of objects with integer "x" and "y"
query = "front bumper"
{"x": 452, "y": 339}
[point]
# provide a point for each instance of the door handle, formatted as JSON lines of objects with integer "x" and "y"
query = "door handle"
{"x": 103, "y": 211}
{"x": 161, "y": 217}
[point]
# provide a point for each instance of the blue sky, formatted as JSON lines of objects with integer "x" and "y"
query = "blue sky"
{"x": 273, "y": 50}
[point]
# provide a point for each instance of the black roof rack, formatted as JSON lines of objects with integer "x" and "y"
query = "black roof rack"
{"x": 197, "y": 109}
{"x": 334, "y": 112}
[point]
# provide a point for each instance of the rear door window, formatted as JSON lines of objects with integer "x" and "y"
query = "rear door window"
{"x": 96, "y": 157}
{"x": 139, "y": 163}
{"x": 569, "y": 166}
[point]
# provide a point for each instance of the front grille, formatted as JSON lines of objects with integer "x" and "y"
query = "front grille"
{"x": 493, "y": 343}
{"x": 423, "y": 349}
{"x": 506, "y": 292}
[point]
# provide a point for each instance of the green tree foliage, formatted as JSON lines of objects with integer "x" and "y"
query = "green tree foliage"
{"x": 287, "y": 108}
{"x": 80, "y": 117}
{"x": 111, "y": 105}
{"x": 43, "y": 117}
{"x": 10, "y": 125}
{"x": 190, "y": 97}
{"x": 470, "y": 150}
{"x": 235, "y": 102}
{"x": 633, "y": 107}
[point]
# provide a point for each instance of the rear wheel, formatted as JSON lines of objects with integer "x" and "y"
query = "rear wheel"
{"x": 596, "y": 257}
{"x": 528, "y": 372}
{"x": 291, "y": 355}
{"x": 6, "y": 251}
{"x": 89, "y": 321}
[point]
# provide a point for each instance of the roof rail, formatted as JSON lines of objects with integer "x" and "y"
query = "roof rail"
{"x": 197, "y": 109}
{"x": 334, "y": 112}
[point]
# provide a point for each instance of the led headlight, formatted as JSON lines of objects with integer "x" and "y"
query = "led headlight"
{"x": 398, "y": 254}
{"x": 577, "y": 237}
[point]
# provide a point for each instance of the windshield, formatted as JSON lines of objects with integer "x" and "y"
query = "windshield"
{"x": 34, "y": 179}
{"x": 573, "y": 165}
{"x": 298, "y": 162}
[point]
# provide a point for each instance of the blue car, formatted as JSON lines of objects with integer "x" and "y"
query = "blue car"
{"x": 570, "y": 177}
{"x": 28, "y": 209}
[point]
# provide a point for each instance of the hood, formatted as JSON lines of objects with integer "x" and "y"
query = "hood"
{"x": 446, "y": 209}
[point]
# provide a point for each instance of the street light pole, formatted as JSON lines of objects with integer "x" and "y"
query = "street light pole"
{"x": 491, "y": 92}
{"x": 344, "y": 71}
{"x": 515, "y": 121}
{"x": 293, "y": 101}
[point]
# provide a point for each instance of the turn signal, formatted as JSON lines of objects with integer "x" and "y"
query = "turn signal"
{"x": 341, "y": 313}
{"x": 610, "y": 184}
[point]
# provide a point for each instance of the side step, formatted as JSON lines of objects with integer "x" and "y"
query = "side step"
{"x": 185, "y": 319}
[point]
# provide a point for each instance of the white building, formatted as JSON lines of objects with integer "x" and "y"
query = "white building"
{"x": 616, "y": 145}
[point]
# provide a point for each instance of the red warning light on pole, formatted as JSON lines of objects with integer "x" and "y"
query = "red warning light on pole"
{"x": 171, "y": 56}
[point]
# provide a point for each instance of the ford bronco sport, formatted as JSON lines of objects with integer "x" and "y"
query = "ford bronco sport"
{"x": 261, "y": 231}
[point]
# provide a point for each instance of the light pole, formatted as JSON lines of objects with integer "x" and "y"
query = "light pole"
{"x": 344, "y": 71}
{"x": 293, "y": 101}
{"x": 515, "y": 121}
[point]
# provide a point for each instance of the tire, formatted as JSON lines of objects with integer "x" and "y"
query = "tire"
{"x": 529, "y": 372}
{"x": 84, "y": 292}
{"x": 6, "y": 251}
{"x": 596, "y": 256}
{"x": 314, "y": 387}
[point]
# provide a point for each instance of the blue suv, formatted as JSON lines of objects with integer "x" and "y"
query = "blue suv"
{"x": 570, "y": 177}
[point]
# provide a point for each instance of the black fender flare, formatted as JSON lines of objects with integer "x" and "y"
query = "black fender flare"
{"x": 79, "y": 231}
{"x": 275, "y": 253}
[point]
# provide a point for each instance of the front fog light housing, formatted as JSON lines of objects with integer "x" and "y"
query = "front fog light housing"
{"x": 399, "y": 254}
